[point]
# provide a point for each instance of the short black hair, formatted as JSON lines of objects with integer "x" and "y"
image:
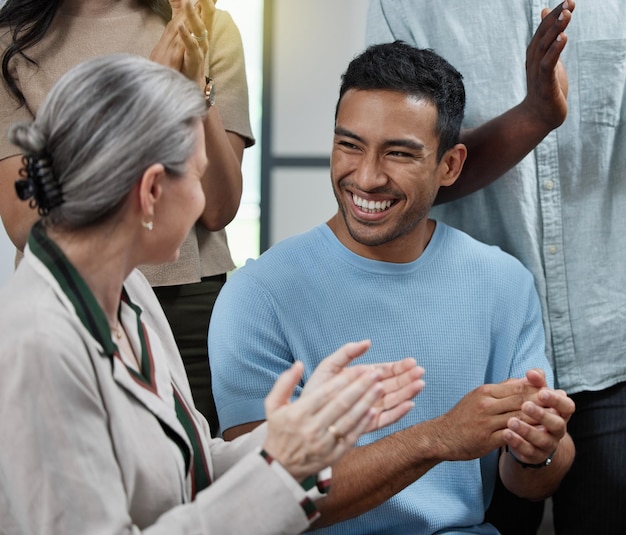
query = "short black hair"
{"x": 419, "y": 72}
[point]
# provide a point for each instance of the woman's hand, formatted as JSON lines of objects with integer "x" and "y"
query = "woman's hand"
{"x": 342, "y": 403}
{"x": 184, "y": 44}
{"x": 204, "y": 8}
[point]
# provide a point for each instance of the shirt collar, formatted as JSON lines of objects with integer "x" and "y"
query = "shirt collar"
{"x": 87, "y": 308}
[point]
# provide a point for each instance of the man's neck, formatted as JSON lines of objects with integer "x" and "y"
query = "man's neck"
{"x": 399, "y": 251}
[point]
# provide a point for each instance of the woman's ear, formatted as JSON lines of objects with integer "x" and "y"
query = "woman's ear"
{"x": 151, "y": 189}
{"x": 452, "y": 164}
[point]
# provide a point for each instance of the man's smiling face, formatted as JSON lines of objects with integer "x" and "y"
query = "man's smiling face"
{"x": 385, "y": 173}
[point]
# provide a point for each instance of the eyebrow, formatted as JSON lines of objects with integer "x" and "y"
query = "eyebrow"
{"x": 408, "y": 143}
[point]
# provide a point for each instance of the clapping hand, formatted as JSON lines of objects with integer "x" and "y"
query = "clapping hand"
{"x": 337, "y": 405}
{"x": 401, "y": 380}
{"x": 184, "y": 44}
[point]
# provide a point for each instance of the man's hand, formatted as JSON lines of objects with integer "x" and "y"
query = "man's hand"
{"x": 533, "y": 438}
{"x": 401, "y": 381}
{"x": 476, "y": 425}
{"x": 546, "y": 79}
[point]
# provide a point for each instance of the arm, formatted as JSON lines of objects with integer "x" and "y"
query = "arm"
{"x": 369, "y": 475}
{"x": 498, "y": 145}
{"x": 177, "y": 48}
{"x": 475, "y": 426}
{"x": 223, "y": 183}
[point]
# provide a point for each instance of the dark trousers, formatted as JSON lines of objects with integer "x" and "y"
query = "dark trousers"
{"x": 592, "y": 497}
{"x": 188, "y": 308}
{"x": 513, "y": 515}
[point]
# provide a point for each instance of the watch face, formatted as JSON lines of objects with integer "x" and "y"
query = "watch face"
{"x": 209, "y": 93}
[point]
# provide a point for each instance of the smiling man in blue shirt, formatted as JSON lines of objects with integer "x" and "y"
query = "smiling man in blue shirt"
{"x": 382, "y": 269}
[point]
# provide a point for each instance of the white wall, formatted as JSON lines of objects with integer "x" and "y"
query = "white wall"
{"x": 313, "y": 44}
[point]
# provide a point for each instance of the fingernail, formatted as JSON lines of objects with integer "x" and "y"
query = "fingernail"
{"x": 561, "y": 17}
{"x": 565, "y": 5}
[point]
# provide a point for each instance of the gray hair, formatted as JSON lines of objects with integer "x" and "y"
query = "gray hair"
{"x": 102, "y": 125}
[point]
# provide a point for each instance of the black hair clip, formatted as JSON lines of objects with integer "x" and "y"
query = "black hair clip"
{"x": 38, "y": 184}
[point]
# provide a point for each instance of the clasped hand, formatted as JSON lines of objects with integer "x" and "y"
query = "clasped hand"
{"x": 535, "y": 434}
{"x": 522, "y": 413}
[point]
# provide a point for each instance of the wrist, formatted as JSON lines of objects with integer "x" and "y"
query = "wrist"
{"x": 313, "y": 487}
{"x": 432, "y": 439}
{"x": 536, "y": 466}
{"x": 537, "y": 119}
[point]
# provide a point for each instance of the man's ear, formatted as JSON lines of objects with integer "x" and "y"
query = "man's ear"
{"x": 151, "y": 189}
{"x": 452, "y": 164}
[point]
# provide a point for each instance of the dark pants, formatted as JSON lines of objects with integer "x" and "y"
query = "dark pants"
{"x": 513, "y": 515}
{"x": 592, "y": 495}
{"x": 188, "y": 308}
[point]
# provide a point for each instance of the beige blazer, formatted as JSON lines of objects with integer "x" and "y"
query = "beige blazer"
{"x": 83, "y": 447}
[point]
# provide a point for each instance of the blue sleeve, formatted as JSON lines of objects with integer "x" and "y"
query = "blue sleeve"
{"x": 530, "y": 349}
{"x": 247, "y": 351}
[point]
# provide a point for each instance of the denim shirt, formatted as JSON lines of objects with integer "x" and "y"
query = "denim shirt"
{"x": 562, "y": 210}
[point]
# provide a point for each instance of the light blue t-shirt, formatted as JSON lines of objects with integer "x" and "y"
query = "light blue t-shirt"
{"x": 467, "y": 312}
{"x": 562, "y": 210}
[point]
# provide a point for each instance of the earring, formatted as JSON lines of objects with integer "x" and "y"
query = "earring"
{"x": 148, "y": 225}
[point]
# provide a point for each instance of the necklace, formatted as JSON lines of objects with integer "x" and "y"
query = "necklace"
{"x": 117, "y": 331}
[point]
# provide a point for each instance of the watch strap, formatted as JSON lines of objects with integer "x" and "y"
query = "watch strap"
{"x": 529, "y": 465}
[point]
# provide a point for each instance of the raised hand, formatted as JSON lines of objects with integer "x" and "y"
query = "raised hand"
{"x": 546, "y": 78}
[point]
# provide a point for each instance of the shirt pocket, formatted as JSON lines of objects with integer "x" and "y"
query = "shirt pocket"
{"x": 602, "y": 79}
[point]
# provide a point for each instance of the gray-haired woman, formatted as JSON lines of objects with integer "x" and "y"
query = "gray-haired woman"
{"x": 99, "y": 431}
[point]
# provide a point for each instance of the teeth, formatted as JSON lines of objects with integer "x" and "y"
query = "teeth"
{"x": 371, "y": 206}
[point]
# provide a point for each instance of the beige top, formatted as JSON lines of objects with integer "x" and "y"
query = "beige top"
{"x": 71, "y": 40}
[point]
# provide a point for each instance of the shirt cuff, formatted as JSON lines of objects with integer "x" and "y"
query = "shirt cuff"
{"x": 307, "y": 491}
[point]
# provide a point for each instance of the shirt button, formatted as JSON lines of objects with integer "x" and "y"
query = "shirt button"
{"x": 548, "y": 185}
{"x": 553, "y": 249}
